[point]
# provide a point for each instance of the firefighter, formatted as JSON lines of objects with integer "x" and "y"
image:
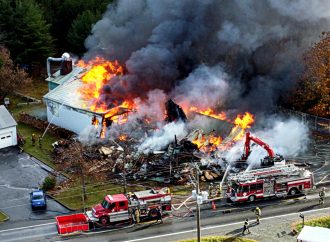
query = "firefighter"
{"x": 33, "y": 139}
{"x": 246, "y": 226}
{"x": 137, "y": 215}
{"x": 322, "y": 196}
{"x": 211, "y": 189}
{"x": 40, "y": 141}
{"x": 258, "y": 214}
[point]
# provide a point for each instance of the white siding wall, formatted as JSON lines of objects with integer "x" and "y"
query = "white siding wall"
{"x": 13, "y": 133}
{"x": 70, "y": 119}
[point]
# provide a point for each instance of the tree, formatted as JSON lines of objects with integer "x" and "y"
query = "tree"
{"x": 313, "y": 93}
{"x": 80, "y": 29}
{"x": 68, "y": 12}
{"x": 32, "y": 42}
{"x": 6, "y": 21}
{"x": 10, "y": 76}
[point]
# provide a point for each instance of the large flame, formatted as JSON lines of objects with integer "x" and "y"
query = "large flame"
{"x": 99, "y": 73}
{"x": 242, "y": 122}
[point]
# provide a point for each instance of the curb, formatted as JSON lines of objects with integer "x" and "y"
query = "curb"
{"x": 62, "y": 204}
{"x": 6, "y": 217}
{"x": 47, "y": 168}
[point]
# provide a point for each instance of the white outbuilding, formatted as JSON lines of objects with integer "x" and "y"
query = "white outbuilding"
{"x": 314, "y": 234}
{"x": 8, "y": 132}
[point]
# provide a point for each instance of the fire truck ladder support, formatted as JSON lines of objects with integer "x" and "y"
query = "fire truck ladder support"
{"x": 285, "y": 170}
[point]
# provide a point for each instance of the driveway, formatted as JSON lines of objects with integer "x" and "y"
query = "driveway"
{"x": 19, "y": 175}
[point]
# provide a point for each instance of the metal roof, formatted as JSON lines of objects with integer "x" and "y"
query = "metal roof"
{"x": 67, "y": 94}
{"x": 6, "y": 120}
{"x": 60, "y": 79}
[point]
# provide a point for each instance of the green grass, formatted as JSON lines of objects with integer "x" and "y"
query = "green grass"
{"x": 43, "y": 153}
{"x": 72, "y": 197}
{"x": 220, "y": 239}
{"x": 180, "y": 190}
{"x": 3, "y": 216}
{"x": 36, "y": 89}
{"x": 323, "y": 221}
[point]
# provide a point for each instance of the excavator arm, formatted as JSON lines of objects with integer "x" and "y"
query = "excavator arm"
{"x": 247, "y": 146}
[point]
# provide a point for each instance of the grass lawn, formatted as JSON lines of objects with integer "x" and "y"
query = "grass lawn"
{"x": 36, "y": 89}
{"x": 3, "y": 216}
{"x": 220, "y": 239}
{"x": 323, "y": 221}
{"x": 43, "y": 153}
{"x": 72, "y": 197}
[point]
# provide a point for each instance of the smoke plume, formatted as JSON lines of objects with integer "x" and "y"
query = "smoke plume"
{"x": 286, "y": 137}
{"x": 172, "y": 46}
{"x": 162, "y": 137}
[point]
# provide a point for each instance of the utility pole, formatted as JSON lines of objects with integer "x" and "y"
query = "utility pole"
{"x": 83, "y": 187}
{"x": 197, "y": 207}
{"x": 125, "y": 184}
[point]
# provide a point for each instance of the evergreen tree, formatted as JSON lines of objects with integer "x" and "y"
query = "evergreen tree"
{"x": 32, "y": 42}
{"x": 80, "y": 29}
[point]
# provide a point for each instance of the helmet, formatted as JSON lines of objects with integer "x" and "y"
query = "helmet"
{"x": 257, "y": 208}
{"x": 323, "y": 188}
{"x": 66, "y": 55}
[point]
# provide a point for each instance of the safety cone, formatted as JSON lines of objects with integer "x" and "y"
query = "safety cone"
{"x": 213, "y": 206}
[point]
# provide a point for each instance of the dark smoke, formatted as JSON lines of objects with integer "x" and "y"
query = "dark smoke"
{"x": 256, "y": 45}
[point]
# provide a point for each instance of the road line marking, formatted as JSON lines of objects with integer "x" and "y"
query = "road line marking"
{"x": 26, "y": 227}
{"x": 223, "y": 225}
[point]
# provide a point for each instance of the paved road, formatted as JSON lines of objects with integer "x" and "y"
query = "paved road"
{"x": 19, "y": 175}
{"x": 173, "y": 228}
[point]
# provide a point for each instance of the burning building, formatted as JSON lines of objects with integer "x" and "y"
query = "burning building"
{"x": 71, "y": 100}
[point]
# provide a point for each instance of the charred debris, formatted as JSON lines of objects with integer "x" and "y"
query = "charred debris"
{"x": 117, "y": 158}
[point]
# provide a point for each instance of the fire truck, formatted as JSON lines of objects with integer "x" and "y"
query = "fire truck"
{"x": 119, "y": 207}
{"x": 118, "y": 210}
{"x": 275, "y": 181}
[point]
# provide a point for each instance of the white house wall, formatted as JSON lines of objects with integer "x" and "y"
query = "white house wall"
{"x": 68, "y": 118}
{"x": 13, "y": 133}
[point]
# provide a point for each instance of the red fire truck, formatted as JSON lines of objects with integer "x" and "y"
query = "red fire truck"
{"x": 119, "y": 207}
{"x": 275, "y": 181}
{"x": 118, "y": 210}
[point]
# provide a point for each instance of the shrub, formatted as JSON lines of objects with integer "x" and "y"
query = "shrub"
{"x": 49, "y": 183}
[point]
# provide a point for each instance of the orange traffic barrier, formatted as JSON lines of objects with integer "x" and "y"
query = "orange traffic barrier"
{"x": 213, "y": 205}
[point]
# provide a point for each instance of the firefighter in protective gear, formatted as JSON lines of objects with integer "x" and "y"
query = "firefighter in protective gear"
{"x": 137, "y": 215}
{"x": 258, "y": 214}
{"x": 322, "y": 196}
{"x": 33, "y": 139}
{"x": 246, "y": 226}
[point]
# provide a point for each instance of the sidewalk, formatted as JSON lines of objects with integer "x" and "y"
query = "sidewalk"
{"x": 271, "y": 229}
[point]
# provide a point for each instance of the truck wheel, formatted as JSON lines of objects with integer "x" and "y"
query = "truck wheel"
{"x": 293, "y": 191}
{"x": 252, "y": 198}
{"x": 104, "y": 220}
{"x": 154, "y": 214}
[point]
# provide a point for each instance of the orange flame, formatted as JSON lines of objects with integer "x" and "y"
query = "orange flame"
{"x": 207, "y": 143}
{"x": 100, "y": 72}
{"x": 122, "y": 137}
{"x": 242, "y": 123}
{"x": 209, "y": 112}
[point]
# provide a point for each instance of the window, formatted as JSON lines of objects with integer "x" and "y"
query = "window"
{"x": 259, "y": 186}
{"x": 105, "y": 204}
{"x": 122, "y": 204}
{"x": 253, "y": 187}
{"x": 245, "y": 188}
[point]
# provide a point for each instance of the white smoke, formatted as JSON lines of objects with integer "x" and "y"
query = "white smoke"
{"x": 286, "y": 137}
{"x": 162, "y": 137}
{"x": 152, "y": 107}
{"x": 303, "y": 10}
{"x": 204, "y": 87}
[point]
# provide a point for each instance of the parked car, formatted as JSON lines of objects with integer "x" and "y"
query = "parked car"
{"x": 38, "y": 199}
